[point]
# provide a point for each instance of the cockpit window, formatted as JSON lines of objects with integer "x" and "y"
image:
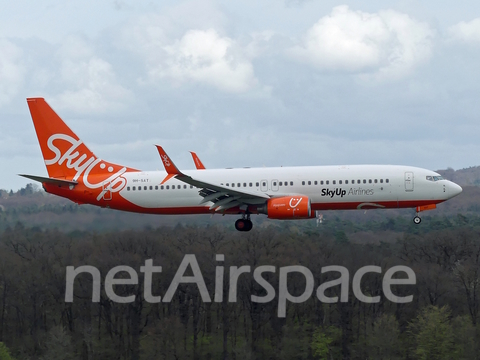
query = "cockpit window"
{"x": 434, "y": 178}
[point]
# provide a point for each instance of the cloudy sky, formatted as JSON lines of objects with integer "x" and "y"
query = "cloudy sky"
{"x": 245, "y": 83}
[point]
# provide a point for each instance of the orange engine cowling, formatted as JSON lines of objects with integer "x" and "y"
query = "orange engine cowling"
{"x": 287, "y": 207}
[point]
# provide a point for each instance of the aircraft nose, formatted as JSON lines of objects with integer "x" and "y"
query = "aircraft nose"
{"x": 454, "y": 189}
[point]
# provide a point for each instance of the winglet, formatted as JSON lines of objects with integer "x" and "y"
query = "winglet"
{"x": 198, "y": 164}
{"x": 170, "y": 167}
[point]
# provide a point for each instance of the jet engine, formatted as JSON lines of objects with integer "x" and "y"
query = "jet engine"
{"x": 287, "y": 207}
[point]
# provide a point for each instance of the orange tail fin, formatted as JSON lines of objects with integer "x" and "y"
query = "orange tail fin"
{"x": 65, "y": 155}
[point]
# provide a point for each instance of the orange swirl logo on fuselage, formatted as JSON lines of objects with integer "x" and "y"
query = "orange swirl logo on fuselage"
{"x": 73, "y": 160}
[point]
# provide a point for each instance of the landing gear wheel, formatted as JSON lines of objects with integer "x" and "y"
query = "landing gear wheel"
{"x": 240, "y": 225}
{"x": 243, "y": 225}
{"x": 417, "y": 220}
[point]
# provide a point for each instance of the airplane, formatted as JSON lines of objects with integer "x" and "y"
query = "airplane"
{"x": 283, "y": 193}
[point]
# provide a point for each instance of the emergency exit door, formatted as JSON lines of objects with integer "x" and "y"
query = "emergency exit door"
{"x": 408, "y": 181}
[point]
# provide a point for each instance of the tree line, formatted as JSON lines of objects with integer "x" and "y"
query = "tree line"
{"x": 37, "y": 323}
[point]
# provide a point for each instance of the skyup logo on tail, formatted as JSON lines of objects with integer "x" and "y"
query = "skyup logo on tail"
{"x": 86, "y": 168}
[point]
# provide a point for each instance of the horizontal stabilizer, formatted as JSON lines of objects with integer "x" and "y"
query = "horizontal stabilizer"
{"x": 50, "y": 180}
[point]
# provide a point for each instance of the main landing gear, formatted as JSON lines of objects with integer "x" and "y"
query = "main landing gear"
{"x": 244, "y": 224}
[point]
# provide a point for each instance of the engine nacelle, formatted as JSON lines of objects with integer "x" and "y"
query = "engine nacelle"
{"x": 287, "y": 207}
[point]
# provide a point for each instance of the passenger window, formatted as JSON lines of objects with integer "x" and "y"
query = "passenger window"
{"x": 280, "y": 183}
{"x": 264, "y": 183}
{"x": 381, "y": 181}
{"x": 250, "y": 184}
{"x": 139, "y": 188}
{"x": 151, "y": 187}
{"x": 364, "y": 181}
{"x": 309, "y": 183}
{"x": 369, "y": 181}
{"x": 303, "y": 182}
{"x": 291, "y": 183}
{"x": 244, "y": 184}
{"x": 156, "y": 187}
{"x": 334, "y": 182}
{"x": 386, "y": 180}
{"x": 321, "y": 182}
{"x": 161, "y": 187}
{"x": 184, "y": 186}
{"x": 144, "y": 188}
{"x": 358, "y": 181}
{"x": 233, "y": 184}
{"x": 340, "y": 182}
{"x": 168, "y": 187}
{"x": 191, "y": 186}
{"x": 257, "y": 184}
{"x": 274, "y": 183}
{"x": 375, "y": 181}
{"x": 327, "y": 182}
{"x": 227, "y": 184}
{"x": 346, "y": 182}
{"x": 128, "y": 188}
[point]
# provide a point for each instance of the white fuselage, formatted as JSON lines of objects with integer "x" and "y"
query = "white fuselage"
{"x": 328, "y": 187}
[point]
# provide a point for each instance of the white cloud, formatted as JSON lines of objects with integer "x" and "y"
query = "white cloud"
{"x": 387, "y": 43}
{"x": 201, "y": 56}
{"x": 204, "y": 56}
{"x": 468, "y": 32}
{"x": 90, "y": 82}
{"x": 12, "y": 72}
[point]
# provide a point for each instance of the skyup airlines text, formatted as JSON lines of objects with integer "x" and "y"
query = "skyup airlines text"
{"x": 342, "y": 192}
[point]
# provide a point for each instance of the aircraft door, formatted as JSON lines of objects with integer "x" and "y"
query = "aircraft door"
{"x": 107, "y": 192}
{"x": 409, "y": 181}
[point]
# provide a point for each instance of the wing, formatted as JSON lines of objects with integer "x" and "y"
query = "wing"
{"x": 222, "y": 197}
